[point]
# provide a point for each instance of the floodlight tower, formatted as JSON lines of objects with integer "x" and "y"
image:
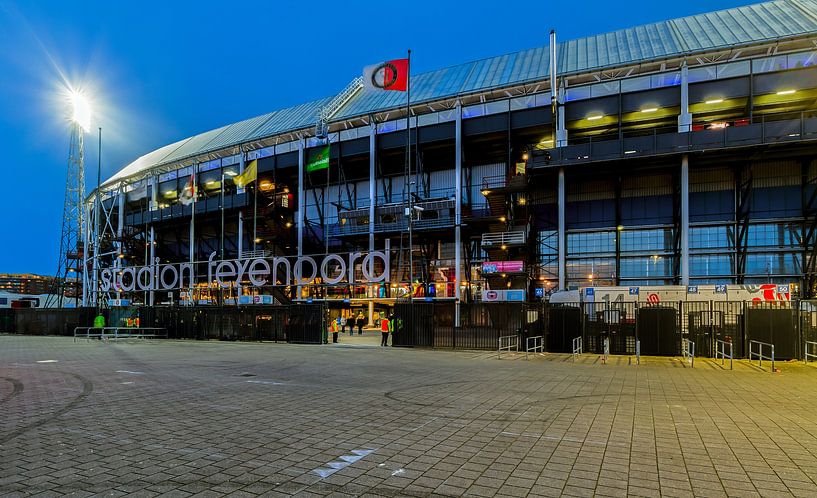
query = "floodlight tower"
{"x": 68, "y": 279}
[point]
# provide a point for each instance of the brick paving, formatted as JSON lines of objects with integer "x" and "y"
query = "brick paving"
{"x": 191, "y": 418}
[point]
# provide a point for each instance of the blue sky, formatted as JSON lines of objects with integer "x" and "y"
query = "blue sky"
{"x": 161, "y": 71}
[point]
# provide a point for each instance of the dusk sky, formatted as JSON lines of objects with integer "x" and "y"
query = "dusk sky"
{"x": 162, "y": 71}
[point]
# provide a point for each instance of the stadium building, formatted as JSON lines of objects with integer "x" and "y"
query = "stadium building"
{"x": 679, "y": 153}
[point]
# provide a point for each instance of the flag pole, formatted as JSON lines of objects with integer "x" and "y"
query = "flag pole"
{"x": 254, "y": 213}
{"x": 408, "y": 179}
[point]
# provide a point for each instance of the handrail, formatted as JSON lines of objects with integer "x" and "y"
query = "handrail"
{"x": 116, "y": 334}
{"x": 759, "y": 353}
{"x": 808, "y": 355}
{"x": 538, "y": 345}
{"x": 503, "y": 238}
{"x": 720, "y": 350}
{"x": 577, "y": 347}
{"x": 688, "y": 350}
{"x": 512, "y": 344}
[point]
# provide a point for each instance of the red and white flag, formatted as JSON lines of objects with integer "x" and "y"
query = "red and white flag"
{"x": 389, "y": 75}
{"x": 188, "y": 195}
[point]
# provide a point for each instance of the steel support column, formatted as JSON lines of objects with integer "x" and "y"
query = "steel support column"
{"x": 562, "y": 231}
{"x": 372, "y": 199}
{"x": 458, "y": 213}
{"x": 685, "y": 219}
{"x": 301, "y": 205}
{"x": 685, "y": 118}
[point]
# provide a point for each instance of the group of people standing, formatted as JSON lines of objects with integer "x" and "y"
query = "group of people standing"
{"x": 388, "y": 325}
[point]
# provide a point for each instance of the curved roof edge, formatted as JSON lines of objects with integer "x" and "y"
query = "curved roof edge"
{"x": 712, "y": 31}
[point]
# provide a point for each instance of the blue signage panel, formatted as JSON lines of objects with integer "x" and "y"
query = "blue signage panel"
{"x": 539, "y": 292}
{"x": 589, "y": 291}
{"x": 692, "y": 289}
{"x": 633, "y": 291}
{"x": 720, "y": 289}
{"x": 782, "y": 289}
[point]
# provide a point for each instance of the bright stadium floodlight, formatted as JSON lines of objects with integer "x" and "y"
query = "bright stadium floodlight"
{"x": 81, "y": 109}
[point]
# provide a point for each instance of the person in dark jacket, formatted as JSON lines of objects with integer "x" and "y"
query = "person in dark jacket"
{"x": 361, "y": 321}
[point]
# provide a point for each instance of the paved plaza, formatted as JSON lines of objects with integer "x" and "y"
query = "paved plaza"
{"x": 182, "y": 418}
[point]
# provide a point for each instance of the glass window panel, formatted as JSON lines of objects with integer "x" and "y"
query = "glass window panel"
{"x": 496, "y": 107}
{"x": 591, "y": 271}
{"x": 577, "y": 93}
{"x": 591, "y": 243}
{"x": 657, "y": 241}
{"x": 774, "y": 235}
{"x": 646, "y": 267}
{"x": 606, "y": 88}
{"x": 664, "y": 80}
{"x": 732, "y": 69}
{"x": 767, "y": 64}
{"x": 635, "y": 84}
{"x": 473, "y": 111}
{"x": 721, "y": 237}
{"x": 710, "y": 264}
{"x": 803, "y": 59}
{"x": 773, "y": 264}
{"x": 702, "y": 74}
{"x": 525, "y": 102}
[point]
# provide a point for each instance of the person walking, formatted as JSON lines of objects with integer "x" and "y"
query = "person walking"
{"x": 384, "y": 330}
{"x": 360, "y": 323}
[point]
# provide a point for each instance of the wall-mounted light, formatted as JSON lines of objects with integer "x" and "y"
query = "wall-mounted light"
{"x": 649, "y": 109}
{"x": 714, "y": 101}
{"x": 594, "y": 117}
{"x": 786, "y": 92}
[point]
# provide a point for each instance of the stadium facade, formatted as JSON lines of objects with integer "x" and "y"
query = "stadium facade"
{"x": 682, "y": 152}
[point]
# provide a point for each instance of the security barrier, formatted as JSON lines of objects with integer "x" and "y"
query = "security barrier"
{"x": 688, "y": 351}
{"x": 756, "y": 351}
{"x": 117, "y": 333}
{"x": 508, "y": 343}
{"x": 577, "y": 347}
{"x": 807, "y": 351}
{"x": 534, "y": 344}
{"x": 720, "y": 352}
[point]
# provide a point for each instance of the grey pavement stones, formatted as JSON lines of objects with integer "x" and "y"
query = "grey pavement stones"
{"x": 187, "y": 418}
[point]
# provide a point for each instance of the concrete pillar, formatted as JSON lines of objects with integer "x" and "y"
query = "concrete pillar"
{"x": 152, "y": 260}
{"x": 685, "y": 219}
{"x": 120, "y": 223}
{"x": 458, "y": 214}
{"x": 685, "y": 118}
{"x": 562, "y": 231}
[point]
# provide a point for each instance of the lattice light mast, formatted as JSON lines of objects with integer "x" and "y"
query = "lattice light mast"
{"x": 70, "y": 268}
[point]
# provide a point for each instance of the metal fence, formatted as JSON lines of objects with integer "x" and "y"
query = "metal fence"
{"x": 299, "y": 323}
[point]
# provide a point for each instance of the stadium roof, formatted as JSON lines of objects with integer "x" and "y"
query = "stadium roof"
{"x": 740, "y": 26}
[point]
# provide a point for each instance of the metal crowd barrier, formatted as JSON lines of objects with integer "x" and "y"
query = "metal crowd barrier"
{"x": 512, "y": 344}
{"x": 637, "y": 352}
{"x": 720, "y": 352}
{"x": 759, "y": 353}
{"x": 538, "y": 345}
{"x": 688, "y": 350}
{"x": 806, "y": 350}
{"x": 577, "y": 347}
{"x": 115, "y": 334}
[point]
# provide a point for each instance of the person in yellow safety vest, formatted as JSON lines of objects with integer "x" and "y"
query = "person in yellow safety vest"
{"x": 384, "y": 329}
{"x": 333, "y": 327}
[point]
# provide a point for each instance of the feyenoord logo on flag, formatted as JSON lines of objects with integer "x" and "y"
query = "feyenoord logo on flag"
{"x": 390, "y": 75}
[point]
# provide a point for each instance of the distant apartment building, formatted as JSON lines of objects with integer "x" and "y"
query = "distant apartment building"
{"x": 24, "y": 283}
